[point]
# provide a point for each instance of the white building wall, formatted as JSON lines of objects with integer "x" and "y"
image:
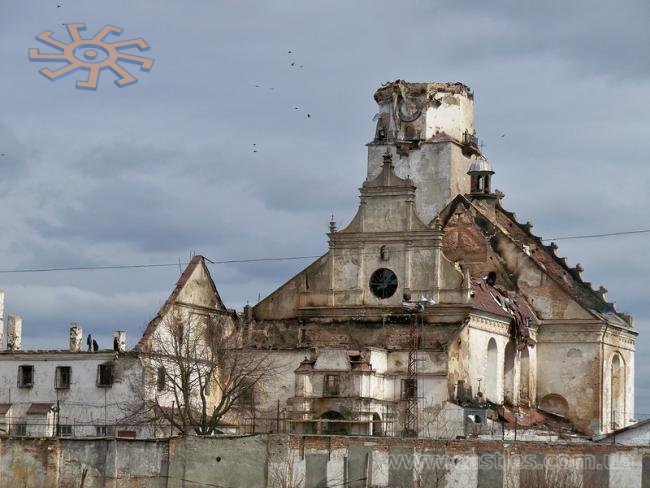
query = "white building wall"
{"x": 84, "y": 404}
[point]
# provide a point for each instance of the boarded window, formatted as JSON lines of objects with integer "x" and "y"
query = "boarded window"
{"x": 63, "y": 377}
{"x": 105, "y": 375}
{"x": 25, "y": 376}
{"x": 332, "y": 384}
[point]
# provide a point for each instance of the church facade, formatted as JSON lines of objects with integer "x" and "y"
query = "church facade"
{"x": 434, "y": 313}
{"x": 434, "y": 298}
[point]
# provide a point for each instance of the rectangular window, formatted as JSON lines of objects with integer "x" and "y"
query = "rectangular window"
{"x": 3, "y": 425}
{"x": 409, "y": 389}
{"x": 247, "y": 395}
{"x": 65, "y": 430}
{"x": 104, "y": 430}
{"x": 161, "y": 380}
{"x": 19, "y": 429}
{"x": 331, "y": 385}
{"x": 25, "y": 376}
{"x": 105, "y": 375}
{"x": 63, "y": 377}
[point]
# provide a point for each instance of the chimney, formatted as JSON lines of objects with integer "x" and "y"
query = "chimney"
{"x": 2, "y": 317}
{"x": 76, "y": 336}
{"x": 119, "y": 341}
{"x": 14, "y": 332}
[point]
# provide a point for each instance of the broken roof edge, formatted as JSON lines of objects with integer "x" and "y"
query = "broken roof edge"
{"x": 454, "y": 87}
{"x": 608, "y": 307}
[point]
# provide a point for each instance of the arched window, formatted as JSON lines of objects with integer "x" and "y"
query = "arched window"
{"x": 509, "y": 386}
{"x": 618, "y": 392}
{"x": 491, "y": 371}
{"x": 524, "y": 375}
{"x": 333, "y": 424}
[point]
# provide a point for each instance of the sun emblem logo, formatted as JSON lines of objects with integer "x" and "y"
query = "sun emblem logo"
{"x": 92, "y": 55}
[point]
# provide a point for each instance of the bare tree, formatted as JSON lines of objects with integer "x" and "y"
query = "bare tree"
{"x": 432, "y": 470}
{"x": 282, "y": 471}
{"x": 196, "y": 373}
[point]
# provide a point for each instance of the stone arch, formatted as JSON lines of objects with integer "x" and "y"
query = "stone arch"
{"x": 491, "y": 371}
{"x": 509, "y": 386}
{"x": 524, "y": 375}
{"x": 555, "y": 403}
{"x": 333, "y": 426}
{"x": 617, "y": 391}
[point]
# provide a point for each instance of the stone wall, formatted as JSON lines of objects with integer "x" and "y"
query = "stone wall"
{"x": 316, "y": 462}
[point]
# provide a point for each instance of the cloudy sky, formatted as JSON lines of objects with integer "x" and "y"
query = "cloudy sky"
{"x": 156, "y": 171}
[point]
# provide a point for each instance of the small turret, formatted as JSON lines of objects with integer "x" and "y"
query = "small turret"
{"x": 480, "y": 172}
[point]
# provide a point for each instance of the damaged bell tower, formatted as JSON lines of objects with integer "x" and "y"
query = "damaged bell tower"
{"x": 429, "y": 130}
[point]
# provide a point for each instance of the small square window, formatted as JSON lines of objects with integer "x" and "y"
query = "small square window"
{"x": 65, "y": 430}
{"x": 331, "y": 385}
{"x": 105, "y": 375}
{"x": 25, "y": 376}
{"x": 63, "y": 377}
{"x": 409, "y": 389}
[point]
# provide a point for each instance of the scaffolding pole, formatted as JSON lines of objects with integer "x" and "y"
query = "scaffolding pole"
{"x": 412, "y": 394}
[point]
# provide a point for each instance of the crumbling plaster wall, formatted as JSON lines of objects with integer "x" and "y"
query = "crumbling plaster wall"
{"x": 575, "y": 356}
{"x": 438, "y": 170}
{"x": 282, "y": 385}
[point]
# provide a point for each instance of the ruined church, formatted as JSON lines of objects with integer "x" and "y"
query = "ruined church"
{"x": 434, "y": 296}
{"x": 434, "y": 313}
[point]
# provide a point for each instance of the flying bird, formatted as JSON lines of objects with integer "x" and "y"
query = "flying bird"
{"x": 503, "y": 135}
{"x": 308, "y": 116}
{"x": 293, "y": 63}
{"x": 290, "y": 52}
